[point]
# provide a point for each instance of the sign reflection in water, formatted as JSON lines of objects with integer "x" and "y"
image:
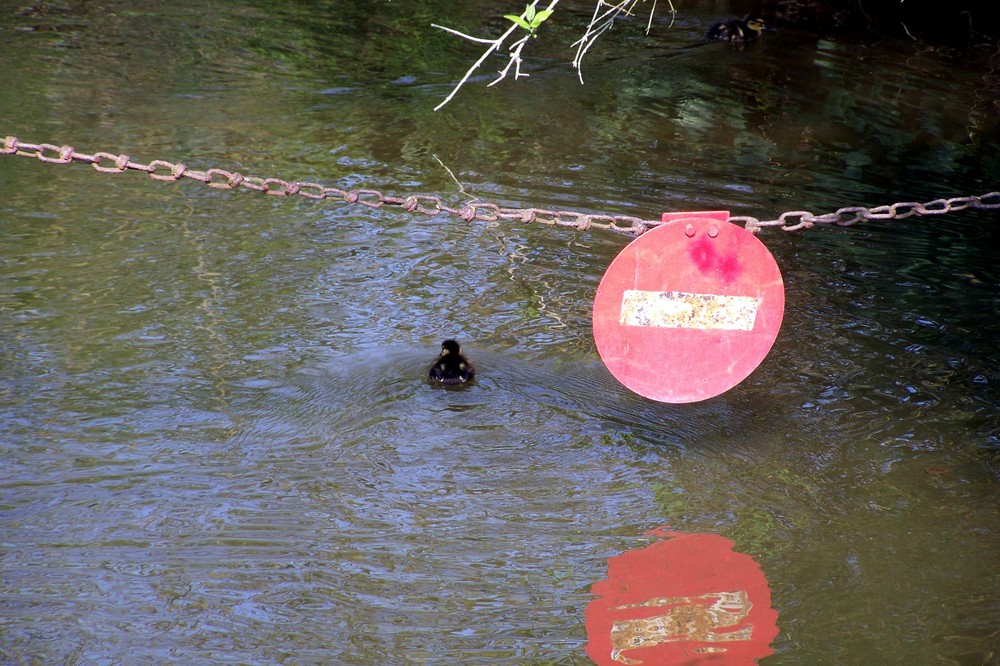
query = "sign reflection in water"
{"x": 684, "y": 598}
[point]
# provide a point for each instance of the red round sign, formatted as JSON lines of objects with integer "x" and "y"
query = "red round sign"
{"x": 687, "y": 599}
{"x": 689, "y": 309}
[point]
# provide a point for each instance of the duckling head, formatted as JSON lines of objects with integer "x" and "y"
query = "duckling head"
{"x": 450, "y": 347}
{"x": 757, "y": 24}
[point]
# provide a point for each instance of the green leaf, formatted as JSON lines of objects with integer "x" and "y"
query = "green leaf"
{"x": 529, "y": 14}
{"x": 541, "y": 16}
{"x": 519, "y": 21}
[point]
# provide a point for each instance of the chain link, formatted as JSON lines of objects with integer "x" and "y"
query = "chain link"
{"x": 802, "y": 219}
{"x": 426, "y": 204}
{"x": 432, "y": 205}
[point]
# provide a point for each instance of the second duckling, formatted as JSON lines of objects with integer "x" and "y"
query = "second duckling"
{"x": 738, "y": 31}
{"x": 452, "y": 368}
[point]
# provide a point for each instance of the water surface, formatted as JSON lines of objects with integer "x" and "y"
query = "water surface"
{"x": 218, "y": 442}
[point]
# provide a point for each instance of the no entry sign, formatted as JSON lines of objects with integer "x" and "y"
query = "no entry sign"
{"x": 689, "y": 309}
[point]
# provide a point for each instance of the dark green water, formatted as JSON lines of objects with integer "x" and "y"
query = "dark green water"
{"x": 216, "y": 438}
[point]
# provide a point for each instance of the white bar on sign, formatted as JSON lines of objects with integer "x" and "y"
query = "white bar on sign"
{"x": 677, "y": 309}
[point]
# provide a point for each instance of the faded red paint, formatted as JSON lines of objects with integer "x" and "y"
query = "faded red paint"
{"x": 694, "y": 253}
{"x": 687, "y": 599}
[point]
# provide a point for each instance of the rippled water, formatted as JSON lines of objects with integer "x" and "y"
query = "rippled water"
{"x": 217, "y": 438}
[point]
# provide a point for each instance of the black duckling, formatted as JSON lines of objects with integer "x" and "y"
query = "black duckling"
{"x": 451, "y": 368}
{"x": 737, "y": 31}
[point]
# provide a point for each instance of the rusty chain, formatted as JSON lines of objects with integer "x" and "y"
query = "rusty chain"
{"x": 848, "y": 215}
{"x": 431, "y": 204}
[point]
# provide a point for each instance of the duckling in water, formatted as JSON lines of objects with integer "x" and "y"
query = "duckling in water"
{"x": 451, "y": 368}
{"x": 737, "y": 31}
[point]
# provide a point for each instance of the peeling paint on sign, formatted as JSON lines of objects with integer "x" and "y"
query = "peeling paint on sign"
{"x": 677, "y": 309}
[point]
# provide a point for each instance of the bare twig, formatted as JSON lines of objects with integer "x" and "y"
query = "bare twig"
{"x": 673, "y": 15}
{"x": 514, "y": 60}
{"x": 605, "y": 13}
{"x": 479, "y": 40}
{"x": 600, "y": 22}
{"x": 461, "y": 188}
{"x": 592, "y": 33}
{"x": 495, "y": 45}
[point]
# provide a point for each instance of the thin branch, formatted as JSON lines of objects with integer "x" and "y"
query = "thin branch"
{"x": 495, "y": 44}
{"x": 605, "y": 21}
{"x": 514, "y": 59}
{"x": 673, "y": 15}
{"x": 461, "y": 188}
{"x": 479, "y": 40}
{"x": 600, "y": 22}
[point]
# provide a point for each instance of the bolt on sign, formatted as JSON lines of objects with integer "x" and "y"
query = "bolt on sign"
{"x": 689, "y": 309}
{"x": 685, "y": 599}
